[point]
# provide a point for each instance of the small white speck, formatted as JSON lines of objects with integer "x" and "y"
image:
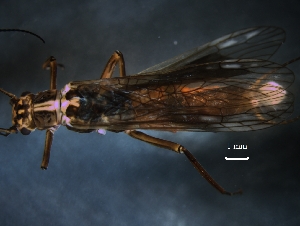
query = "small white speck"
{"x": 158, "y": 37}
{"x": 231, "y": 66}
{"x": 175, "y": 43}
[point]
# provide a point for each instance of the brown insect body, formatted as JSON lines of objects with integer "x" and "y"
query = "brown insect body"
{"x": 225, "y": 85}
{"x": 207, "y": 97}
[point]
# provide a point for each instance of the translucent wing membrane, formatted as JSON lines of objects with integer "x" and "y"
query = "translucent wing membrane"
{"x": 251, "y": 43}
{"x": 233, "y": 95}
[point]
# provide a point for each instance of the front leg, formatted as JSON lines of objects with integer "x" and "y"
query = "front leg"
{"x": 179, "y": 149}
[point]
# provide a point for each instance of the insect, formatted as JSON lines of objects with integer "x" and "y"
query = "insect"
{"x": 225, "y": 85}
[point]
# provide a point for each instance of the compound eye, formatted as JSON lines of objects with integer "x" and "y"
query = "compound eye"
{"x": 25, "y": 131}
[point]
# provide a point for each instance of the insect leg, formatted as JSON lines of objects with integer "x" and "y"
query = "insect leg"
{"x": 51, "y": 62}
{"x": 13, "y": 129}
{"x": 179, "y": 149}
{"x": 117, "y": 57}
{"x": 47, "y": 149}
{"x": 6, "y": 132}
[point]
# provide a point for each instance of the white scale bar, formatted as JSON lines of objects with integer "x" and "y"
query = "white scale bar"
{"x": 236, "y": 158}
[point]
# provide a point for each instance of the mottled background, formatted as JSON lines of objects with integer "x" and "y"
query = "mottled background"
{"x": 113, "y": 179}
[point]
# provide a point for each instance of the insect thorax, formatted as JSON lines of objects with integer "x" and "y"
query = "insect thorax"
{"x": 36, "y": 111}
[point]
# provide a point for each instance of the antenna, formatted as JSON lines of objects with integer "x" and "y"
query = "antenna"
{"x": 24, "y": 31}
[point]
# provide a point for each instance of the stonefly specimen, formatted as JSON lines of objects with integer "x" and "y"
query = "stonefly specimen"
{"x": 225, "y": 85}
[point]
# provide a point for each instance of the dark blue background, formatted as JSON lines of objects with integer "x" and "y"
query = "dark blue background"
{"x": 113, "y": 179}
